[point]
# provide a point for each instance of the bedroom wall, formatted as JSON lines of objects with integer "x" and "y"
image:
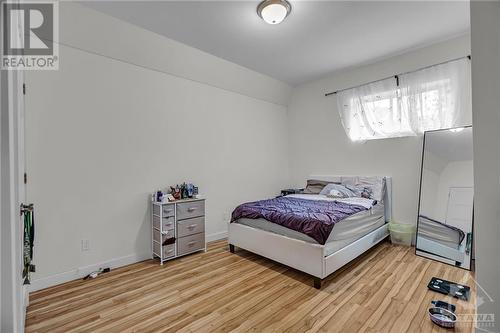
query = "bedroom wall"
{"x": 455, "y": 174}
{"x": 129, "y": 112}
{"x": 319, "y": 145}
{"x": 485, "y": 31}
{"x": 439, "y": 176}
{"x": 429, "y": 193}
{"x": 433, "y": 166}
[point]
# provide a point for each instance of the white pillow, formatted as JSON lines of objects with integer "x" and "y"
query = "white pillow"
{"x": 336, "y": 194}
{"x": 367, "y": 187}
{"x": 337, "y": 191}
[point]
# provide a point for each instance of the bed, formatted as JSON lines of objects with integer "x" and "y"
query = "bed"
{"x": 349, "y": 237}
{"x": 441, "y": 239}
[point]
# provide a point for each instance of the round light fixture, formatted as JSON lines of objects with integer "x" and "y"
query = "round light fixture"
{"x": 274, "y": 11}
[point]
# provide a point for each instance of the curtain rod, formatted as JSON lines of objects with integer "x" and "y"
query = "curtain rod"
{"x": 397, "y": 75}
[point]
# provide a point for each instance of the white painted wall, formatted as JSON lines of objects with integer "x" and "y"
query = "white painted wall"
{"x": 455, "y": 174}
{"x": 428, "y": 193}
{"x": 485, "y": 35}
{"x": 102, "y": 134}
{"x": 90, "y": 30}
{"x": 438, "y": 176}
{"x": 319, "y": 145}
{"x": 433, "y": 166}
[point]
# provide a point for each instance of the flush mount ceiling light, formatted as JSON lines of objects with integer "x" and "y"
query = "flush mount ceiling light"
{"x": 274, "y": 11}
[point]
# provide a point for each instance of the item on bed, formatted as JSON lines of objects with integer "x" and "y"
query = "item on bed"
{"x": 337, "y": 191}
{"x": 289, "y": 191}
{"x": 367, "y": 187}
{"x": 315, "y": 186}
{"x": 449, "y": 288}
{"x": 445, "y": 224}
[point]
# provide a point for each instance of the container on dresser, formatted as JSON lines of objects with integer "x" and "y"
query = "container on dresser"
{"x": 178, "y": 228}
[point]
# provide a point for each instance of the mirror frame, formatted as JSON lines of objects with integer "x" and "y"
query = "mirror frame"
{"x": 420, "y": 199}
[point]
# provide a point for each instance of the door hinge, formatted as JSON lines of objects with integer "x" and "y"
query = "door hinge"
{"x": 24, "y": 88}
{"x": 25, "y": 178}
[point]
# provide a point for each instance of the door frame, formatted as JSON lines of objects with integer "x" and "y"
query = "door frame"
{"x": 13, "y": 294}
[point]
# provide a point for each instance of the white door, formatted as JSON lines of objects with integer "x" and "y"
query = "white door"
{"x": 459, "y": 210}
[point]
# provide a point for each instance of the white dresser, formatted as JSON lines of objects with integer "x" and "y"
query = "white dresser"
{"x": 180, "y": 225}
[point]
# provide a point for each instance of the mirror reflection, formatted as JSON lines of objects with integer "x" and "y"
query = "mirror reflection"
{"x": 444, "y": 227}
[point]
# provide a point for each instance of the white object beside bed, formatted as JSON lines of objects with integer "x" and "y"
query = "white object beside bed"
{"x": 305, "y": 256}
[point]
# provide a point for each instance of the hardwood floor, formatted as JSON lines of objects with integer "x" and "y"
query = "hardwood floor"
{"x": 382, "y": 291}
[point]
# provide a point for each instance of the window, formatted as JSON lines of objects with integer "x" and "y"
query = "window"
{"x": 432, "y": 98}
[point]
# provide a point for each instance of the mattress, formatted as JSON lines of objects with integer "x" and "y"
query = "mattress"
{"x": 439, "y": 232}
{"x": 343, "y": 233}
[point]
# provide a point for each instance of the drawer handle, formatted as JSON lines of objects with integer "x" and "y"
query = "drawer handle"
{"x": 169, "y": 251}
{"x": 164, "y": 232}
{"x": 191, "y": 243}
{"x": 191, "y": 209}
{"x": 191, "y": 227}
{"x": 168, "y": 224}
{"x": 168, "y": 210}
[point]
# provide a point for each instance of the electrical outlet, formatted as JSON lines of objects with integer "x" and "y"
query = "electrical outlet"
{"x": 85, "y": 245}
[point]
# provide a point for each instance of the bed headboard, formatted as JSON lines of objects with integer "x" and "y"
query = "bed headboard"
{"x": 387, "y": 193}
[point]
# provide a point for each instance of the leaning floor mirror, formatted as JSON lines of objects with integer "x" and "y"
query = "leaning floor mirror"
{"x": 445, "y": 213}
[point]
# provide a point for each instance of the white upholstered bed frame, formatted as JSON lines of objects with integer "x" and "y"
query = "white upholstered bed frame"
{"x": 303, "y": 256}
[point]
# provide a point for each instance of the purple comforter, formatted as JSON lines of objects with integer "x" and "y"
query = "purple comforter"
{"x": 315, "y": 218}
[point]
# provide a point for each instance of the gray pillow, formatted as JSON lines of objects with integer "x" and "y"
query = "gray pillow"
{"x": 314, "y": 186}
{"x": 372, "y": 187}
{"x": 337, "y": 191}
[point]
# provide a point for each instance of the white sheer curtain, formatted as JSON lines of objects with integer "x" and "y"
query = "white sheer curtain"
{"x": 373, "y": 111}
{"x": 431, "y": 98}
{"x": 438, "y": 96}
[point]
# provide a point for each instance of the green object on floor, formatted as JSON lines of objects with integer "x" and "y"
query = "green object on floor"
{"x": 401, "y": 234}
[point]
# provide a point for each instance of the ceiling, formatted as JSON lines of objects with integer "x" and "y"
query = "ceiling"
{"x": 317, "y": 38}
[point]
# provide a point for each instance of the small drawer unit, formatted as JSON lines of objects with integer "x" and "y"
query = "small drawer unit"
{"x": 178, "y": 228}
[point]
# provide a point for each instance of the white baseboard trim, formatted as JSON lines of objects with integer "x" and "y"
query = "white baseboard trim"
{"x": 216, "y": 236}
{"x": 81, "y": 272}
